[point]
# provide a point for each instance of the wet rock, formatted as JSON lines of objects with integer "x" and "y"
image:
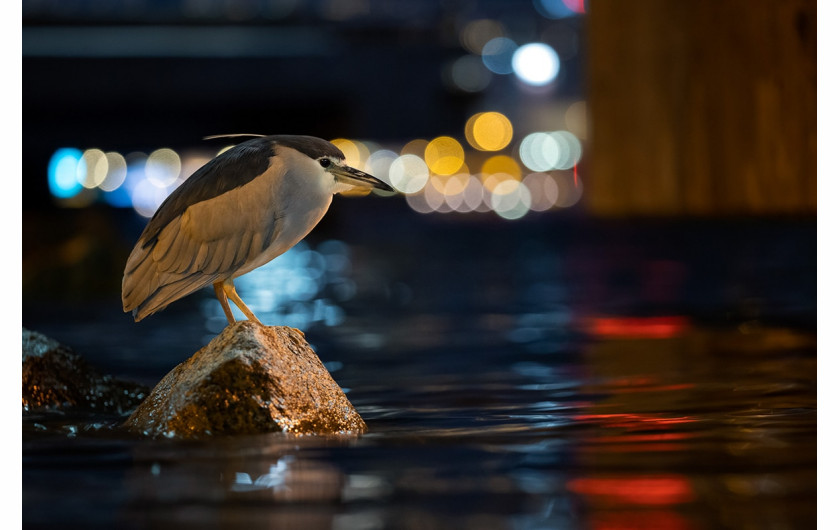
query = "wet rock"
{"x": 250, "y": 379}
{"x": 57, "y": 379}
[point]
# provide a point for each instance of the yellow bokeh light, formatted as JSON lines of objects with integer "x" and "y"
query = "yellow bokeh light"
{"x": 444, "y": 155}
{"x": 489, "y": 131}
{"x": 493, "y": 180}
{"x": 502, "y": 164}
{"x": 355, "y": 153}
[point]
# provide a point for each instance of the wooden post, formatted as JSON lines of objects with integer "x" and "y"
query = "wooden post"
{"x": 702, "y": 107}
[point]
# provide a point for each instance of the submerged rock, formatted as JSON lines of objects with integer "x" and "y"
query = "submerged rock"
{"x": 250, "y": 379}
{"x": 57, "y": 379}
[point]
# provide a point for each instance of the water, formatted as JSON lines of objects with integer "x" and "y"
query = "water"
{"x": 560, "y": 374}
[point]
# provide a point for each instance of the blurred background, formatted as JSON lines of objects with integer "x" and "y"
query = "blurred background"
{"x": 498, "y": 114}
{"x": 594, "y": 296}
{"x": 475, "y": 111}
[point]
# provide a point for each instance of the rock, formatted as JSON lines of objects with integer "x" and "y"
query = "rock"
{"x": 57, "y": 379}
{"x": 250, "y": 379}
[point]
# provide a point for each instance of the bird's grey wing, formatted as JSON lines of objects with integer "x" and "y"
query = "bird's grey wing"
{"x": 206, "y": 243}
{"x": 232, "y": 169}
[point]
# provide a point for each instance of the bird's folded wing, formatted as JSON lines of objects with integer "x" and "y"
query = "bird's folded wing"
{"x": 207, "y": 243}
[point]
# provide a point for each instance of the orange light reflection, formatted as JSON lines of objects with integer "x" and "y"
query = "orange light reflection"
{"x": 631, "y": 420}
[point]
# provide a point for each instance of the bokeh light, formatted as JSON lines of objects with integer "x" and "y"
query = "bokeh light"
{"x": 379, "y": 164}
{"x": 545, "y": 151}
{"x": 538, "y": 151}
{"x": 436, "y": 200}
{"x": 497, "y": 55}
{"x": 569, "y": 189}
{"x": 502, "y": 165}
{"x": 543, "y": 189}
{"x": 163, "y": 167}
{"x": 488, "y": 131}
{"x": 92, "y": 168}
{"x": 450, "y": 184}
{"x": 61, "y": 173}
{"x": 417, "y": 202}
{"x": 536, "y": 63}
{"x": 444, "y": 155}
{"x": 569, "y": 149}
{"x": 474, "y": 195}
{"x": 433, "y": 176}
{"x": 511, "y": 200}
{"x": 355, "y": 153}
{"x": 408, "y": 174}
{"x": 147, "y": 196}
{"x": 115, "y": 176}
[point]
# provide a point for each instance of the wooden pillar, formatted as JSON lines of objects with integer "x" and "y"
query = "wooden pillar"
{"x": 702, "y": 107}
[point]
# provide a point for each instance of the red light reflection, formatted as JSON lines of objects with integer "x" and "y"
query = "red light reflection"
{"x": 659, "y": 490}
{"x": 660, "y": 327}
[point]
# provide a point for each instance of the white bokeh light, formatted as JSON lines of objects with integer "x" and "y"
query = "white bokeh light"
{"x": 408, "y": 174}
{"x": 536, "y": 63}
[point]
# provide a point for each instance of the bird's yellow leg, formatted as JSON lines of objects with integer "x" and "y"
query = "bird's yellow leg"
{"x": 230, "y": 291}
{"x": 220, "y": 294}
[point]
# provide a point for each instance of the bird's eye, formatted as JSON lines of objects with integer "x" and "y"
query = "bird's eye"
{"x": 325, "y": 162}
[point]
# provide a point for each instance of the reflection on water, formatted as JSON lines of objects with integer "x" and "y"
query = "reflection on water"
{"x": 496, "y": 398}
{"x": 299, "y": 288}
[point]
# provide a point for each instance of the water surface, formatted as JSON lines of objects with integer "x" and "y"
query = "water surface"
{"x": 515, "y": 376}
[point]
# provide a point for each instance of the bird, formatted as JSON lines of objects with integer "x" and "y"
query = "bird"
{"x": 237, "y": 212}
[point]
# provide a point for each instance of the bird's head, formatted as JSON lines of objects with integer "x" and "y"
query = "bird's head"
{"x": 315, "y": 158}
{"x": 328, "y": 162}
{"x": 348, "y": 179}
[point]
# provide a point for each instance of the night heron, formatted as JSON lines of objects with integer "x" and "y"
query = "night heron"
{"x": 239, "y": 211}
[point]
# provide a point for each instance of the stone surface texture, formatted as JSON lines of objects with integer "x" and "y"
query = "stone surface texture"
{"x": 57, "y": 379}
{"x": 249, "y": 379}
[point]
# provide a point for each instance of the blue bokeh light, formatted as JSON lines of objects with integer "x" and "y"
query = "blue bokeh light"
{"x": 497, "y": 55}
{"x": 61, "y": 173}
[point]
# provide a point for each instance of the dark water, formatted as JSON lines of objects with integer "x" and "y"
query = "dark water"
{"x": 534, "y": 375}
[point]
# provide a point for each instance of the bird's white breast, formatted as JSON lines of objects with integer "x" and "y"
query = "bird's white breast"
{"x": 290, "y": 199}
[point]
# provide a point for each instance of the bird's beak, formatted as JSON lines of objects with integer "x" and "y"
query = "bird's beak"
{"x": 358, "y": 179}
